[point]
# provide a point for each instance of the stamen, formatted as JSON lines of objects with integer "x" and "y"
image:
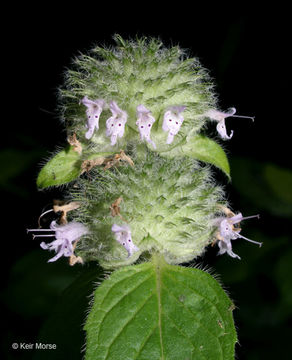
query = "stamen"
{"x": 250, "y": 217}
{"x": 244, "y": 117}
{"x": 28, "y": 230}
{"x": 252, "y": 241}
{"x": 34, "y": 236}
{"x": 43, "y": 215}
{"x": 238, "y": 218}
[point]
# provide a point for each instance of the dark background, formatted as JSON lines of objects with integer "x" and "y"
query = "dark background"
{"x": 246, "y": 51}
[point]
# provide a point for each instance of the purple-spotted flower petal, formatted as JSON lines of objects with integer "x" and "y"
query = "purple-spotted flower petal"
{"x": 226, "y": 247}
{"x": 65, "y": 236}
{"x": 172, "y": 121}
{"x": 115, "y": 125}
{"x": 228, "y": 232}
{"x": 123, "y": 236}
{"x": 94, "y": 109}
{"x": 144, "y": 123}
{"x": 220, "y": 117}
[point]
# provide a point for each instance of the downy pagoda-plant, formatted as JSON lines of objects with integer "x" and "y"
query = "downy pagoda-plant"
{"x": 141, "y": 200}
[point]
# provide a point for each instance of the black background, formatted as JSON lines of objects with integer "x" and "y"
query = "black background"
{"x": 246, "y": 52}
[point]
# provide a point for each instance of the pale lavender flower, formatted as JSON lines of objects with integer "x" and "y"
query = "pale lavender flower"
{"x": 94, "y": 109}
{"x": 227, "y": 232}
{"x": 172, "y": 121}
{"x": 115, "y": 125}
{"x": 144, "y": 123}
{"x": 220, "y": 116}
{"x": 123, "y": 236}
{"x": 65, "y": 236}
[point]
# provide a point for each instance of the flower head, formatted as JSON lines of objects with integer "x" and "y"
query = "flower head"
{"x": 220, "y": 116}
{"x": 115, "y": 125}
{"x": 123, "y": 236}
{"x": 172, "y": 121}
{"x": 65, "y": 236}
{"x": 94, "y": 109}
{"x": 227, "y": 232}
{"x": 145, "y": 122}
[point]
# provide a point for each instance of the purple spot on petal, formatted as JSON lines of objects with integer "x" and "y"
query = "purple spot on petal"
{"x": 176, "y": 122}
{"x": 129, "y": 240}
{"x": 169, "y": 120}
{"x": 120, "y": 124}
{"x": 112, "y": 124}
{"x": 142, "y": 127}
{"x": 149, "y": 125}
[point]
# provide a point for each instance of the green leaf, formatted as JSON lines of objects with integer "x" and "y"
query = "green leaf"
{"x": 156, "y": 311}
{"x": 61, "y": 169}
{"x": 204, "y": 149}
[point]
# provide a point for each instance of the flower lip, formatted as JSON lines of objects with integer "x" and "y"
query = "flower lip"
{"x": 220, "y": 116}
{"x": 172, "y": 121}
{"x": 115, "y": 125}
{"x": 65, "y": 236}
{"x": 144, "y": 122}
{"x": 177, "y": 109}
{"x": 227, "y": 232}
{"x": 123, "y": 236}
{"x": 94, "y": 109}
{"x": 142, "y": 109}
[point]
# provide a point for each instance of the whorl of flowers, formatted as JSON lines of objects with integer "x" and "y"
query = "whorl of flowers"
{"x": 134, "y": 114}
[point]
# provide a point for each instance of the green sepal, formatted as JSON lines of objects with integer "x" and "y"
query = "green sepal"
{"x": 204, "y": 149}
{"x": 61, "y": 169}
{"x": 159, "y": 311}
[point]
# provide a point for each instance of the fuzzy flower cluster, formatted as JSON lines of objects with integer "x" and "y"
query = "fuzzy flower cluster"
{"x": 142, "y": 92}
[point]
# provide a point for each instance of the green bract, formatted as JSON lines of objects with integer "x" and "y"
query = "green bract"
{"x": 61, "y": 169}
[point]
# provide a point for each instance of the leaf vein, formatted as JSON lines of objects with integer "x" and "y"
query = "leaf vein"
{"x": 181, "y": 331}
{"x": 195, "y": 291}
{"x": 191, "y": 313}
{"x": 126, "y": 324}
{"x": 145, "y": 341}
{"x": 202, "y": 296}
{"x": 117, "y": 302}
{"x": 110, "y": 288}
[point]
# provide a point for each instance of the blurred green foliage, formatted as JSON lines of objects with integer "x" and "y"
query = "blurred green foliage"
{"x": 265, "y": 185}
{"x": 14, "y": 162}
